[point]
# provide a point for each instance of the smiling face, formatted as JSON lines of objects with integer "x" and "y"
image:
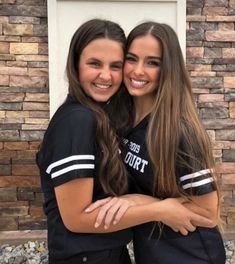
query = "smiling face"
{"x": 100, "y": 69}
{"x": 142, "y": 67}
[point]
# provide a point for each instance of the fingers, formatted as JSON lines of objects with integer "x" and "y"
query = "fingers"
{"x": 183, "y": 231}
{"x": 120, "y": 213}
{"x": 199, "y": 220}
{"x": 103, "y": 211}
{"x": 97, "y": 204}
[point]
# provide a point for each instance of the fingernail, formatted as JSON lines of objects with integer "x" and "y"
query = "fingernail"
{"x": 96, "y": 225}
{"x": 87, "y": 210}
{"x": 114, "y": 222}
{"x": 105, "y": 227}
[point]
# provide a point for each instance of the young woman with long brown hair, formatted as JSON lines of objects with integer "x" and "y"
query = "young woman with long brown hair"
{"x": 168, "y": 151}
{"x": 79, "y": 159}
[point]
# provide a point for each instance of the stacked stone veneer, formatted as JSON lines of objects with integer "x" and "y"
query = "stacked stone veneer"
{"x": 24, "y": 106}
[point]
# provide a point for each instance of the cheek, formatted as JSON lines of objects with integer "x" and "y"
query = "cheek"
{"x": 117, "y": 76}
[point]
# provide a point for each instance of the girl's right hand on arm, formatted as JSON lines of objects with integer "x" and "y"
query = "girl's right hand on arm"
{"x": 179, "y": 218}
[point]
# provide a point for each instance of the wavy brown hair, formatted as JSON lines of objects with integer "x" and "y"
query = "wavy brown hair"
{"x": 175, "y": 136}
{"x": 112, "y": 172}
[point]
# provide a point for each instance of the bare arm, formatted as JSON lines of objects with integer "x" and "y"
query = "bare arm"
{"x": 73, "y": 197}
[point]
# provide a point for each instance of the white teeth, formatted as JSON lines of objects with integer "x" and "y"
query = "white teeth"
{"x": 102, "y": 86}
{"x": 138, "y": 83}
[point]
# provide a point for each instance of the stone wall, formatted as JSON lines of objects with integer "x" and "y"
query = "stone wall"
{"x": 24, "y": 109}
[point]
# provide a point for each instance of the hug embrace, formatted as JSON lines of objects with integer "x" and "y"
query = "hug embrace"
{"x": 125, "y": 157}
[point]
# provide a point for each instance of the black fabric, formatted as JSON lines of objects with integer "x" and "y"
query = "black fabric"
{"x": 69, "y": 151}
{"x": 162, "y": 245}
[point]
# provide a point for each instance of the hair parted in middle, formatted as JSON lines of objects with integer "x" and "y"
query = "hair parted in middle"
{"x": 175, "y": 136}
{"x": 112, "y": 116}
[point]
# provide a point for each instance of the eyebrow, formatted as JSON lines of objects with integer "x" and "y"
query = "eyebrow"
{"x": 149, "y": 57}
{"x": 95, "y": 59}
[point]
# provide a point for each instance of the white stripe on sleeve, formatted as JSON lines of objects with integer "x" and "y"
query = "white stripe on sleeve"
{"x": 198, "y": 183}
{"x": 195, "y": 174}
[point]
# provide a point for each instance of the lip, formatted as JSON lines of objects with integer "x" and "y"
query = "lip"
{"x": 102, "y": 86}
{"x": 137, "y": 83}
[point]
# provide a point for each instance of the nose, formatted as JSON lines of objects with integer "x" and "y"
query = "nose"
{"x": 105, "y": 74}
{"x": 139, "y": 69}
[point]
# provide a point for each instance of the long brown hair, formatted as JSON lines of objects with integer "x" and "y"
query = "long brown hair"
{"x": 175, "y": 136}
{"x": 112, "y": 172}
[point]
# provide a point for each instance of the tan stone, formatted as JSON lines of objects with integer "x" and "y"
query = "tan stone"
{"x": 1, "y": 145}
{"x": 196, "y": 18}
{"x": 231, "y": 219}
{"x": 17, "y": 29}
{"x": 219, "y": 11}
{"x": 32, "y": 57}
{"x": 226, "y": 26}
{"x": 203, "y": 74}
{"x": 232, "y": 3}
{"x": 211, "y": 97}
{"x": 2, "y": 114}
{"x": 36, "y": 121}
{"x": 36, "y": 97}
{"x": 222, "y": 36}
{"x": 4, "y": 47}
{"x": 232, "y": 104}
{"x": 13, "y": 71}
{"x": 7, "y": 154}
{"x": 24, "y": 48}
{"x": 228, "y": 52}
{"x": 220, "y": 18}
{"x": 232, "y": 112}
{"x": 194, "y": 52}
{"x": 34, "y": 127}
{"x": 36, "y": 211}
{"x": 35, "y": 106}
{"x": 229, "y": 82}
{"x": 228, "y": 178}
{"x": 25, "y": 169}
{"x": 221, "y": 145}
{"x": 38, "y": 71}
{"x": 11, "y": 97}
{"x": 226, "y": 167}
{"x": 28, "y": 82}
{"x": 200, "y": 91}
{"x": 199, "y": 67}
{"x": 4, "y": 19}
{"x": 43, "y": 48}
{"x": 34, "y": 145}
{"x": 16, "y": 145}
{"x": 4, "y": 80}
{"x": 17, "y": 114}
{"x": 16, "y": 63}
{"x": 19, "y": 181}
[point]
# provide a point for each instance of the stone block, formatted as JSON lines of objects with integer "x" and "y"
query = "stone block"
{"x": 11, "y": 97}
{"x": 14, "y": 211}
{"x": 25, "y": 194}
{"x": 226, "y": 167}
{"x": 25, "y": 170}
{"x": 203, "y": 26}
{"x": 194, "y": 11}
{"x": 16, "y": 64}
{"x": 219, "y": 11}
{"x": 38, "y": 64}
{"x": 19, "y": 181}
{"x": 218, "y": 67}
{"x": 13, "y": 71}
{"x": 195, "y": 35}
{"x": 34, "y": 145}
{"x": 219, "y": 124}
{"x": 225, "y": 134}
{"x": 26, "y": 154}
{"x": 5, "y": 170}
{"x": 24, "y": 48}
{"x": 232, "y": 112}
{"x": 228, "y": 53}
{"x": 222, "y": 36}
{"x": 202, "y": 74}
{"x": 32, "y": 223}
{"x": 7, "y": 154}
{"x": 35, "y": 106}
{"x": 9, "y": 135}
{"x": 34, "y": 127}
{"x": 229, "y": 156}
{"x": 207, "y": 82}
{"x": 33, "y": 39}
{"x": 195, "y": 4}
{"x": 8, "y": 194}
{"x": 40, "y": 30}
{"x": 24, "y": 10}
{"x": 225, "y": 26}
{"x": 11, "y": 106}
{"x": 17, "y": 114}
{"x": 213, "y": 53}
{"x": 229, "y": 82}
{"x": 213, "y": 113}
{"x": 28, "y": 81}
{"x": 17, "y": 29}
{"x": 211, "y": 98}
{"x": 31, "y": 135}
{"x": 229, "y": 97}
{"x": 36, "y": 97}
{"x": 8, "y": 223}
{"x": 39, "y": 114}
{"x": 195, "y": 52}
{"x": 24, "y": 20}
{"x": 38, "y": 72}
{"x": 36, "y": 58}
{"x": 16, "y": 145}
{"x": 35, "y": 211}
{"x": 216, "y": 3}
{"x": 4, "y": 80}
{"x": 4, "y": 47}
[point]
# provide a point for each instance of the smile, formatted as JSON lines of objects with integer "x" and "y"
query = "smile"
{"x": 102, "y": 85}
{"x": 138, "y": 83}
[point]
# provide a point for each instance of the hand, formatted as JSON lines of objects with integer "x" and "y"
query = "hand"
{"x": 179, "y": 218}
{"x": 111, "y": 210}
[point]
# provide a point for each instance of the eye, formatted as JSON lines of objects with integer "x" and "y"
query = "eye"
{"x": 94, "y": 64}
{"x": 154, "y": 63}
{"x": 117, "y": 66}
{"x": 130, "y": 58}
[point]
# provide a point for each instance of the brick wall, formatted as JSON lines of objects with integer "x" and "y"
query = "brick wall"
{"x": 24, "y": 100}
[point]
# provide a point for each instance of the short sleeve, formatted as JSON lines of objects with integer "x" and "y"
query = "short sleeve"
{"x": 193, "y": 177}
{"x": 70, "y": 147}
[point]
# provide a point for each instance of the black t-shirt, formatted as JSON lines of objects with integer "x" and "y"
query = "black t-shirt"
{"x": 138, "y": 164}
{"x": 69, "y": 151}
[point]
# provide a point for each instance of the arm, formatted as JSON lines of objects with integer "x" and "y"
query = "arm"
{"x": 74, "y": 196}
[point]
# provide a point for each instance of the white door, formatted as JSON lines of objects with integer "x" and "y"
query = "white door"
{"x": 64, "y": 17}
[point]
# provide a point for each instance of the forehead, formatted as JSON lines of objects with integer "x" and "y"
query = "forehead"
{"x": 103, "y": 47}
{"x": 146, "y": 46}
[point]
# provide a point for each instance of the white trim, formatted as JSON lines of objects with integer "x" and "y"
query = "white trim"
{"x": 73, "y": 167}
{"x": 195, "y": 174}
{"x": 68, "y": 159}
{"x": 196, "y": 184}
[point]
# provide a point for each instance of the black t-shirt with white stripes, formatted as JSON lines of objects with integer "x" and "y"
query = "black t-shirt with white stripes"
{"x": 69, "y": 151}
{"x": 138, "y": 164}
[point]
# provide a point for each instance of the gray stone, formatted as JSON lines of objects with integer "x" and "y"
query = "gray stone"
{"x": 207, "y": 82}
{"x": 225, "y": 134}
{"x": 229, "y": 155}
{"x": 228, "y": 123}
{"x": 213, "y": 113}
{"x": 192, "y": 35}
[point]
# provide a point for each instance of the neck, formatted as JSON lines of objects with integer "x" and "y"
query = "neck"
{"x": 143, "y": 106}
